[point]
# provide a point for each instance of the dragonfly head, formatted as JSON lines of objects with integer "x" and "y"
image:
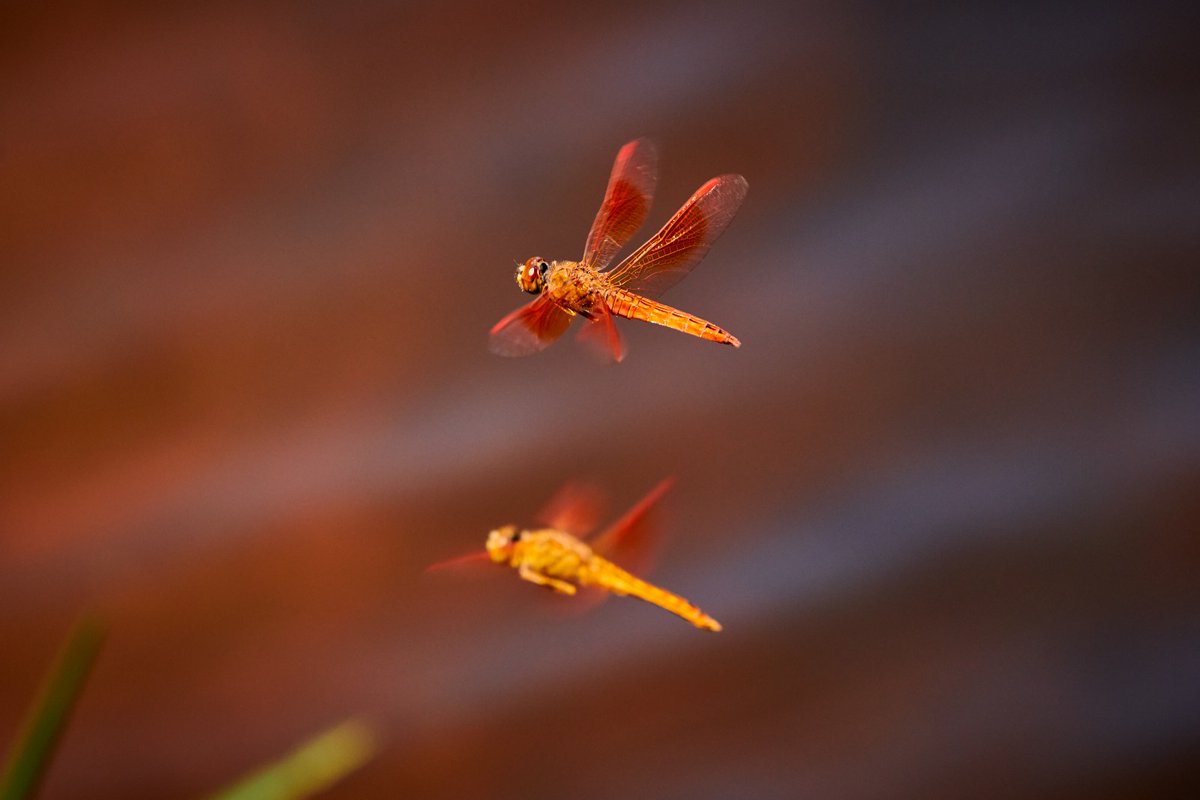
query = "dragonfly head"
{"x": 500, "y": 543}
{"x": 531, "y": 276}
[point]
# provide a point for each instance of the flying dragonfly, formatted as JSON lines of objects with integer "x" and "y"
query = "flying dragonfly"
{"x": 558, "y": 557}
{"x": 590, "y": 288}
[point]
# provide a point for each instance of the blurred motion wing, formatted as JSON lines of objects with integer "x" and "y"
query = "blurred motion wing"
{"x": 631, "y": 541}
{"x": 672, "y": 252}
{"x": 575, "y": 508}
{"x": 626, "y": 202}
{"x": 475, "y": 557}
{"x": 529, "y": 329}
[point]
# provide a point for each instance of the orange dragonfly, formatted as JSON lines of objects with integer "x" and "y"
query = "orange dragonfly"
{"x": 591, "y": 289}
{"x": 557, "y": 556}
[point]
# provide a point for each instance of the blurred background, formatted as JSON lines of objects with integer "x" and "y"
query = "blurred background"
{"x": 944, "y": 499}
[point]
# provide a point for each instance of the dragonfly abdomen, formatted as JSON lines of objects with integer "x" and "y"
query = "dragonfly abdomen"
{"x": 633, "y": 306}
{"x": 607, "y": 575}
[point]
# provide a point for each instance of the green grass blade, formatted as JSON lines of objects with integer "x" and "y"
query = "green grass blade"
{"x": 315, "y": 765}
{"x": 34, "y": 747}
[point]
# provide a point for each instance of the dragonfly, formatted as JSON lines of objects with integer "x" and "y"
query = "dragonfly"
{"x": 593, "y": 289}
{"x": 558, "y": 555}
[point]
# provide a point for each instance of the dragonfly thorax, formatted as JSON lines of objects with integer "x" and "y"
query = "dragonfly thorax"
{"x": 531, "y": 276}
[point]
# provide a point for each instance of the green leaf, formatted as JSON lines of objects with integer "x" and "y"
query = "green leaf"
{"x": 315, "y": 765}
{"x": 35, "y": 744}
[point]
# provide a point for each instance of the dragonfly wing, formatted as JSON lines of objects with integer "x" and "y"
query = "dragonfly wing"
{"x": 631, "y": 540}
{"x": 600, "y": 334}
{"x": 626, "y": 202}
{"x": 672, "y": 252}
{"x": 474, "y": 557}
{"x": 530, "y": 328}
{"x": 575, "y": 508}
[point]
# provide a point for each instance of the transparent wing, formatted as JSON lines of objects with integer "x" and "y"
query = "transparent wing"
{"x": 474, "y": 557}
{"x": 631, "y": 541}
{"x": 575, "y": 508}
{"x": 529, "y": 329}
{"x": 600, "y": 334}
{"x": 626, "y": 202}
{"x": 672, "y": 252}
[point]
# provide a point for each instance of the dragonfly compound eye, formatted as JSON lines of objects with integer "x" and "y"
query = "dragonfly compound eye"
{"x": 531, "y": 276}
{"x": 499, "y": 543}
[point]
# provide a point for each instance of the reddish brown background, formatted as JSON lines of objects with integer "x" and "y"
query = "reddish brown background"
{"x": 943, "y": 499}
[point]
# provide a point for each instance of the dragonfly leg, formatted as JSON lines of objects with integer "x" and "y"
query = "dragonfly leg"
{"x": 533, "y": 576}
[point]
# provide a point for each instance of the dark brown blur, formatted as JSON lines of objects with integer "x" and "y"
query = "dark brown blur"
{"x": 943, "y": 499}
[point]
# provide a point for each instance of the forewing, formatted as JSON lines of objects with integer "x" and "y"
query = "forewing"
{"x": 672, "y": 252}
{"x": 575, "y": 508}
{"x": 473, "y": 558}
{"x": 601, "y": 335}
{"x": 626, "y": 202}
{"x": 529, "y": 329}
{"x": 631, "y": 540}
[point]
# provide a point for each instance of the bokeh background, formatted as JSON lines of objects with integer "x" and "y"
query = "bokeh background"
{"x": 944, "y": 499}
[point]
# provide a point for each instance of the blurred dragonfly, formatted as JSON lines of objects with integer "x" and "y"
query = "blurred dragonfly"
{"x": 591, "y": 289}
{"x": 557, "y": 556}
